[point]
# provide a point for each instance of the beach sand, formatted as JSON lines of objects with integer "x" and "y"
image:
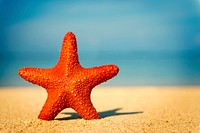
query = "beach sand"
{"x": 123, "y": 109}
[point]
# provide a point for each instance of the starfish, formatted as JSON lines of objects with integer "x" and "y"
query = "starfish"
{"x": 68, "y": 84}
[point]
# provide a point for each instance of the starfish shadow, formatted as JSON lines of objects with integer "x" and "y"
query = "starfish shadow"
{"x": 114, "y": 112}
{"x": 103, "y": 114}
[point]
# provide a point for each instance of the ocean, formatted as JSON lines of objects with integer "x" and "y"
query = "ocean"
{"x": 136, "y": 68}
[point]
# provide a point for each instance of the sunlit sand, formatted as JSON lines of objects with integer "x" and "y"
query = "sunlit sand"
{"x": 123, "y": 109}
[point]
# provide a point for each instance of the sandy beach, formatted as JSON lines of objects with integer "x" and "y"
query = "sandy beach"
{"x": 123, "y": 109}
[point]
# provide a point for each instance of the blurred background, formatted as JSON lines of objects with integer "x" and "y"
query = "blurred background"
{"x": 153, "y": 42}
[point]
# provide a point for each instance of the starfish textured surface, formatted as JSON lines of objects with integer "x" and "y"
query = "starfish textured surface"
{"x": 68, "y": 84}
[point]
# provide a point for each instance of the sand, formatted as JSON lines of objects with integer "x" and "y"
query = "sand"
{"x": 123, "y": 109}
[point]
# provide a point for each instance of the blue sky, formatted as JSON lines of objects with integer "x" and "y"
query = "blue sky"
{"x": 153, "y": 42}
{"x": 101, "y": 25}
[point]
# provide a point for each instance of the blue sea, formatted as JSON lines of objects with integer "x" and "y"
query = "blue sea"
{"x": 136, "y": 68}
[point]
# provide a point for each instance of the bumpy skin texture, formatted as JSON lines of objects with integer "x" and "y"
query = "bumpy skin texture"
{"x": 68, "y": 84}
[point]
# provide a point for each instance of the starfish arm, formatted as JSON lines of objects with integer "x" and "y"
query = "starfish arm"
{"x": 68, "y": 54}
{"x": 101, "y": 74}
{"x": 54, "y": 104}
{"x": 37, "y": 76}
{"x": 85, "y": 109}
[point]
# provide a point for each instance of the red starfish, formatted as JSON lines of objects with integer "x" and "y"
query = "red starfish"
{"x": 68, "y": 84}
